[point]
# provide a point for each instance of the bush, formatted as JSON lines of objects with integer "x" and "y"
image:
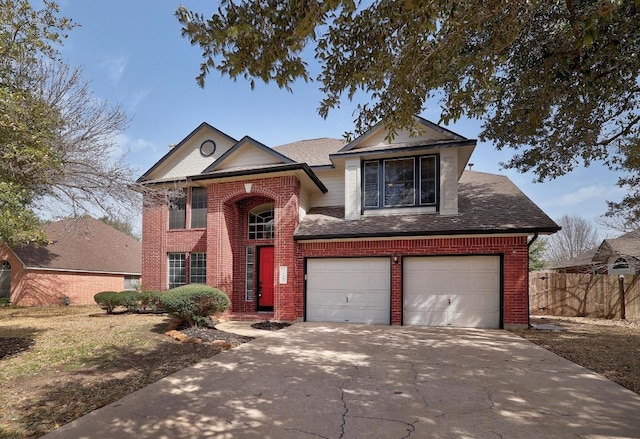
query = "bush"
{"x": 108, "y": 300}
{"x": 4, "y": 302}
{"x": 150, "y": 300}
{"x": 194, "y": 303}
{"x": 129, "y": 299}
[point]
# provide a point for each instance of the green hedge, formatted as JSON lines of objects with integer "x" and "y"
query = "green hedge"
{"x": 194, "y": 303}
{"x": 108, "y": 300}
{"x": 150, "y": 300}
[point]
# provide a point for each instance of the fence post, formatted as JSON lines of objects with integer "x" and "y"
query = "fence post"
{"x": 621, "y": 288}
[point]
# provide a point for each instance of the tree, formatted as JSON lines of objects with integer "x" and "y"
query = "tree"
{"x": 536, "y": 255}
{"x": 556, "y": 81}
{"x": 576, "y": 237}
{"x": 57, "y": 139}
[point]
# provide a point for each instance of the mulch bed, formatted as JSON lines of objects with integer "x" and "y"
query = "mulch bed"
{"x": 14, "y": 345}
{"x": 270, "y": 326}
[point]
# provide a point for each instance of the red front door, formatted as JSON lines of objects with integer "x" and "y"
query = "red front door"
{"x": 265, "y": 278}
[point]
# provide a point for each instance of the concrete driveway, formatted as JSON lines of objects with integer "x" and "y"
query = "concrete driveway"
{"x": 350, "y": 381}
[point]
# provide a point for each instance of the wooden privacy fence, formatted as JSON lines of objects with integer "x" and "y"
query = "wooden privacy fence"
{"x": 583, "y": 295}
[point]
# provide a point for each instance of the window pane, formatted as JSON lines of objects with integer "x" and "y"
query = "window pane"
{"x": 261, "y": 224}
{"x": 176, "y": 269}
{"x": 371, "y": 179}
{"x": 427, "y": 180}
{"x": 198, "y": 207}
{"x": 131, "y": 283}
{"x": 399, "y": 182}
{"x": 248, "y": 294}
{"x": 177, "y": 213}
{"x": 198, "y": 268}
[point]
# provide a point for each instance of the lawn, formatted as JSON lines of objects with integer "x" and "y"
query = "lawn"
{"x": 80, "y": 359}
{"x": 608, "y": 347}
{"x": 73, "y": 360}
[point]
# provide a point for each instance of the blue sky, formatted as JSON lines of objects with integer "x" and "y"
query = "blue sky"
{"x": 133, "y": 55}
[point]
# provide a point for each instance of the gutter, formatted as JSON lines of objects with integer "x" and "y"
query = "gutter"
{"x": 529, "y": 244}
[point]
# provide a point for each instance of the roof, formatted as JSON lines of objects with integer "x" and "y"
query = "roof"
{"x": 487, "y": 204}
{"x": 83, "y": 245}
{"x": 624, "y": 245}
{"x": 314, "y": 152}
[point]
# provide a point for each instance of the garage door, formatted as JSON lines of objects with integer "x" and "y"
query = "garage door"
{"x": 354, "y": 290}
{"x": 462, "y": 291}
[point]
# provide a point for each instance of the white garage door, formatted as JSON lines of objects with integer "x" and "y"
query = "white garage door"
{"x": 354, "y": 290}
{"x": 462, "y": 291}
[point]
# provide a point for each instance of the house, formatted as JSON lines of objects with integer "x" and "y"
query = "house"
{"x": 85, "y": 256}
{"x": 619, "y": 255}
{"x": 369, "y": 231}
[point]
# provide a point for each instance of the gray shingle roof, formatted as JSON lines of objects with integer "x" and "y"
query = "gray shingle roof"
{"x": 624, "y": 245}
{"x": 488, "y": 203}
{"x": 314, "y": 152}
{"x": 84, "y": 245}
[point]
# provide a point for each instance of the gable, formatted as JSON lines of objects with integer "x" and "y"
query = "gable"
{"x": 248, "y": 153}
{"x": 186, "y": 159}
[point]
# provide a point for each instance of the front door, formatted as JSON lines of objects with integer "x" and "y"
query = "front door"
{"x": 265, "y": 278}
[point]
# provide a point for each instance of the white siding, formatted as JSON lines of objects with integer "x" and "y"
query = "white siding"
{"x": 188, "y": 161}
{"x": 378, "y": 137}
{"x": 249, "y": 155}
{"x": 304, "y": 204}
{"x": 333, "y": 179}
{"x": 352, "y": 180}
{"x": 449, "y": 181}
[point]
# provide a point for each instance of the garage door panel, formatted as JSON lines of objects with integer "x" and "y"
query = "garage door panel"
{"x": 459, "y": 291}
{"x": 355, "y": 290}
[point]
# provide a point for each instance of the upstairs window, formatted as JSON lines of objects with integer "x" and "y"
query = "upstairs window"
{"x": 198, "y": 207}
{"x": 178, "y": 213}
{"x": 261, "y": 222}
{"x": 401, "y": 182}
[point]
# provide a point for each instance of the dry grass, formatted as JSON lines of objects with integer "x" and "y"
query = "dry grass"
{"x": 82, "y": 359}
{"x": 608, "y": 347}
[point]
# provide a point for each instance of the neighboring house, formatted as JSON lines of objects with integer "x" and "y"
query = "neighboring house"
{"x": 85, "y": 256}
{"x": 619, "y": 255}
{"x": 322, "y": 230}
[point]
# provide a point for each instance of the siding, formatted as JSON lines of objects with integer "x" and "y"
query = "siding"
{"x": 249, "y": 155}
{"x": 378, "y": 137}
{"x": 333, "y": 179}
{"x": 188, "y": 160}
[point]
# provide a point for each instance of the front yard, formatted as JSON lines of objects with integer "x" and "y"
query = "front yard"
{"x": 80, "y": 359}
{"x": 72, "y": 360}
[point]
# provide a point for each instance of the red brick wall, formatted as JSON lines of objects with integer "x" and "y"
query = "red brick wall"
{"x": 514, "y": 250}
{"x": 44, "y": 287}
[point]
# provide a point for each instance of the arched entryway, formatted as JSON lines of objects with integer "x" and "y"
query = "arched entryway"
{"x": 5, "y": 279}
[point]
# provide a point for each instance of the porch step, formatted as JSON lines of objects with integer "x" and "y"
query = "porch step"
{"x": 249, "y": 316}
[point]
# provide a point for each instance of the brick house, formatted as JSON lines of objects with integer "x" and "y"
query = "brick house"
{"x": 323, "y": 230}
{"x": 84, "y": 257}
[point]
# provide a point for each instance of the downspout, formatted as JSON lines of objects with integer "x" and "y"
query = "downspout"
{"x": 533, "y": 239}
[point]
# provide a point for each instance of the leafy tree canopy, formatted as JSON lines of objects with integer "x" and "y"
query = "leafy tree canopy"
{"x": 556, "y": 81}
{"x": 56, "y": 138}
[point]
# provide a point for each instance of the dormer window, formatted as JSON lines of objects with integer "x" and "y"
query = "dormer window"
{"x": 401, "y": 182}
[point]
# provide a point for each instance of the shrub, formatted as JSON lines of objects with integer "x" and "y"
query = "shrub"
{"x": 4, "y": 302}
{"x": 194, "y": 303}
{"x": 108, "y": 300}
{"x": 150, "y": 300}
{"x": 129, "y": 299}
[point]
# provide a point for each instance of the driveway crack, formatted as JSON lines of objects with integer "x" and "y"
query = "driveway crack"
{"x": 411, "y": 426}
{"x": 345, "y": 411}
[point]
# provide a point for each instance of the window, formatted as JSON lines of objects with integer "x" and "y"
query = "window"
{"x": 371, "y": 184}
{"x": 176, "y": 269}
{"x": 131, "y": 283}
{"x": 427, "y": 180}
{"x": 399, "y": 179}
{"x": 248, "y": 291}
{"x": 393, "y": 182}
{"x": 198, "y": 268}
{"x": 177, "y": 213}
{"x": 5, "y": 279}
{"x": 198, "y": 207}
{"x": 620, "y": 264}
{"x": 261, "y": 222}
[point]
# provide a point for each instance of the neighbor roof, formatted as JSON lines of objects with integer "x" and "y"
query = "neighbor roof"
{"x": 624, "y": 245}
{"x": 85, "y": 245}
{"x": 488, "y": 203}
